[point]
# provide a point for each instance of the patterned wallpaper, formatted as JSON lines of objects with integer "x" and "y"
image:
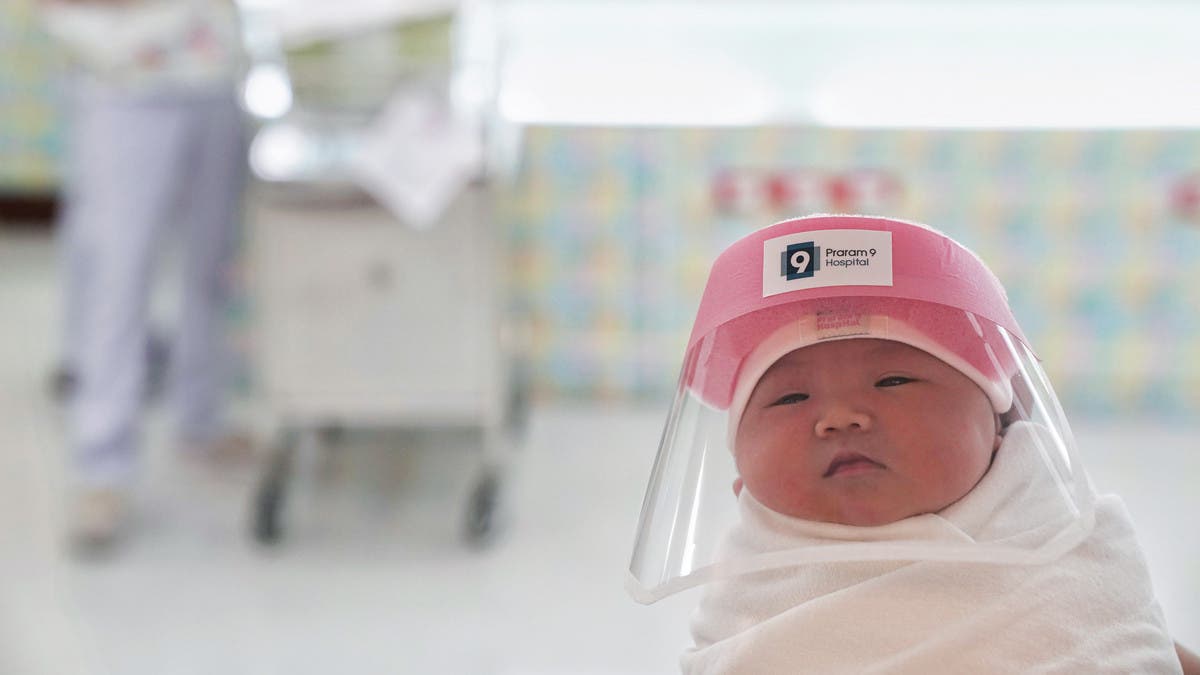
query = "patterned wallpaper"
{"x": 610, "y": 232}
{"x": 30, "y": 136}
{"x": 1096, "y": 235}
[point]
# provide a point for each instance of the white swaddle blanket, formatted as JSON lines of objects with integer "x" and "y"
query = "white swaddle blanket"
{"x": 1090, "y": 611}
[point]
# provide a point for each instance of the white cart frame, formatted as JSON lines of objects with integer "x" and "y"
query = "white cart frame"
{"x": 362, "y": 321}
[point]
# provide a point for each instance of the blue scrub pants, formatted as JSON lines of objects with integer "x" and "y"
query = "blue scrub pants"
{"x": 146, "y": 171}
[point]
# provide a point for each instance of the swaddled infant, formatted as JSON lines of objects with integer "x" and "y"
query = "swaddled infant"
{"x": 872, "y": 433}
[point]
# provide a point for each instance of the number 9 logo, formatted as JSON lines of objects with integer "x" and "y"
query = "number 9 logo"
{"x": 800, "y": 261}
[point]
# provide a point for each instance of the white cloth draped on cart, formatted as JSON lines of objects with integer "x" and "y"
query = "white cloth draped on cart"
{"x": 418, "y": 156}
{"x": 1090, "y": 611}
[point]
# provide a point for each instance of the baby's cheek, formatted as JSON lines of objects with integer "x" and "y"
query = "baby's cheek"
{"x": 750, "y": 451}
{"x": 756, "y": 470}
{"x": 962, "y": 471}
{"x": 782, "y": 486}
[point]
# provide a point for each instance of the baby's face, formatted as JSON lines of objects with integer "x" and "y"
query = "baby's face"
{"x": 863, "y": 432}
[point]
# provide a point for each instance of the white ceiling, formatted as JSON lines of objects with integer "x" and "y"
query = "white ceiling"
{"x": 905, "y": 64}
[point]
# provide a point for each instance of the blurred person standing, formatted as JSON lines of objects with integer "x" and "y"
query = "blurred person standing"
{"x": 155, "y": 156}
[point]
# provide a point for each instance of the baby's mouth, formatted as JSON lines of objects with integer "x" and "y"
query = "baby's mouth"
{"x": 846, "y": 463}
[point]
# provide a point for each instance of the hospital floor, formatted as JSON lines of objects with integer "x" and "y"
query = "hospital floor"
{"x": 374, "y": 575}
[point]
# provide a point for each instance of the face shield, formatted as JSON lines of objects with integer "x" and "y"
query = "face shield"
{"x": 856, "y": 389}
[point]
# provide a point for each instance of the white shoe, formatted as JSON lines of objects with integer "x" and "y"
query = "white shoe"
{"x": 98, "y": 516}
{"x": 225, "y": 451}
{"x": 229, "y": 458}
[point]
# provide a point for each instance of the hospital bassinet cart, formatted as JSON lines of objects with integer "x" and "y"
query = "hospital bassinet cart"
{"x": 360, "y": 319}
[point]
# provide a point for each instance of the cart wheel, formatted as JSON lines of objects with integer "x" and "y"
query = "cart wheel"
{"x": 268, "y": 504}
{"x": 516, "y": 408}
{"x": 331, "y": 434}
{"x": 481, "y": 510}
{"x": 267, "y": 523}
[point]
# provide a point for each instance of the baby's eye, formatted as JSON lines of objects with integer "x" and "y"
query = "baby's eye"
{"x": 790, "y": 399}
{"x": 893, "y": 381}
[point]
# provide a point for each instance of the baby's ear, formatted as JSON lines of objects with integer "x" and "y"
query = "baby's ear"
{"x": 737, "y": 486}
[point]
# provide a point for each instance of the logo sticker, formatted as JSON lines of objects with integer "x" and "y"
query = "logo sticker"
{"x": 800, "y": 261}
{"x": 823, "y": 258}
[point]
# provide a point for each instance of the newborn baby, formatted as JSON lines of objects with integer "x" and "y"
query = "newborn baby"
{"x": 909, "y": 498}
{"x": 869, "y": 439}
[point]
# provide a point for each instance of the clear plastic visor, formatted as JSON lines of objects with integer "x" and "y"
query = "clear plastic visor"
{"x": 1031, "y": 503}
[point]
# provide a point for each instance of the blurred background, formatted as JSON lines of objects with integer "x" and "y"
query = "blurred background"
{"x": 471, "y": 241}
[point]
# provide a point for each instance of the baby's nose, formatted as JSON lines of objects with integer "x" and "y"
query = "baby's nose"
{"x": 841, "y": 417}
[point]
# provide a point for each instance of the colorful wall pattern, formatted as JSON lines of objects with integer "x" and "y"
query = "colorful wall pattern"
{"x": 1096, "y": 235}
{"x": 30, "y": 136}
{"x": 611, "y": 231}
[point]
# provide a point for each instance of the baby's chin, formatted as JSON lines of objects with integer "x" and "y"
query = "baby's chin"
{"x": 872, "y": 518}
{"x": 856, "y": 513}
{"x": 868, "y": 500}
